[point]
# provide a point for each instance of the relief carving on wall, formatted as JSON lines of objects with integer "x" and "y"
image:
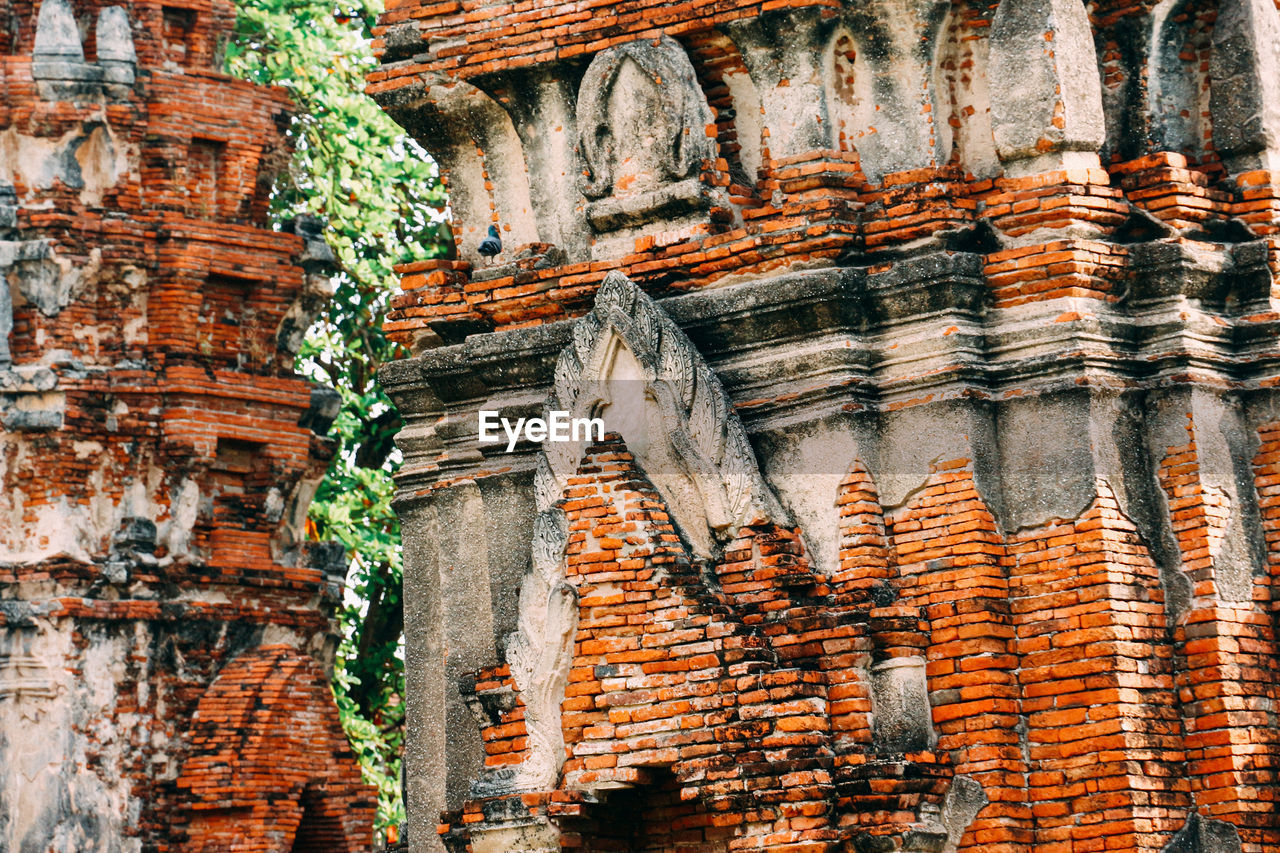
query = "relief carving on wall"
{"x": 642, "y": 120}
{"x": 539, "y": 653}
{"x": 632, "y": 366}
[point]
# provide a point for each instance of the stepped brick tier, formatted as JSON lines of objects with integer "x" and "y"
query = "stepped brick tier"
{"x": 937, "y": 348}
{"x": 165, "y": 629}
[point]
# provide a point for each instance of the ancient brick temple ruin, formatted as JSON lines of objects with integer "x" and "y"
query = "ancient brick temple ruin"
{"x": 164, "y": 629}
{"x": 936, "y": 344}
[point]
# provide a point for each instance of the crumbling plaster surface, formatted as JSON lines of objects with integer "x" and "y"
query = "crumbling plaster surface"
{"x": 76, "y": 530}
{"x": 157, "y": 453}
{"x": 89, "y": 158}
{"x": 52, "y": 721}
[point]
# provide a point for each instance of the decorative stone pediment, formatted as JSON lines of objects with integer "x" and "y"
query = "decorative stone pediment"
{"x": 630, "y": 365}
{"x": 642, "y": 122}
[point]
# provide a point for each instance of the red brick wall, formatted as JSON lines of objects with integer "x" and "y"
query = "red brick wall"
{"x": 1096, "y": 701}
{"x": 1053, "y": 679}
{"x": 270, "y": 765}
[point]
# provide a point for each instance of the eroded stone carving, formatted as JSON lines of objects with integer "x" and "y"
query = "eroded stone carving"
{"x": 1045, "y": 94}
{"x": 900, "y": 706}
{"x": 318, "y": 263}
{"x": 57, "y": 61}
{"x": 642, "y": 122}
{"x": 874, "y": 101}
{"x": 632, "y": 366}
{"x": 781, "y": 86}
{"x": 541, "y": 649}
{"x": 1244, "y": 97}
{"x": 472, "y": 137}
{"x": 116, "y": 52}
{"x": 28, "y": 400}
{"x": 940, "y": 828}
{"x": 39, "y": 276}
{"x": 57, "y": 37}
{"x": 132, "y": 547}
{"x": 24, "y": 672}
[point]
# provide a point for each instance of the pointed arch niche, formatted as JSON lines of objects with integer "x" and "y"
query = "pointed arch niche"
{"x": 963, "y": 123}
{"x": 631, "y": 366}
{"x": 1178, "y": 82}
{"x": 878, "y": 101}
{"x": 851, "y": 96}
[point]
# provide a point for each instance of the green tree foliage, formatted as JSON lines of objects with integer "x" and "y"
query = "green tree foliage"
{"x": 380, "y": 197}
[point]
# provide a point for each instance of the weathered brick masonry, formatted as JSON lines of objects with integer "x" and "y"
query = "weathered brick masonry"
{"x": 937, "y": 345}
{"x": 164, "y": 627}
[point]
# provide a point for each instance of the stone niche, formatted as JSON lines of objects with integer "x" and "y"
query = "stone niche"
{"x": 642, "y": 127}
{"x": 901, "y": 721}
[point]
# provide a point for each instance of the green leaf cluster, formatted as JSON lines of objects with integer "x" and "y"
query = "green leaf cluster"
{"x": 383, "y": 204}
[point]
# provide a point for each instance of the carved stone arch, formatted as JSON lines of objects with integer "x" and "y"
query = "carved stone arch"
{"x": 627, "y": 338}
{"x": 645, "y": 132}
{"x": 859, "y": 74}
{"x": 626, "y": 329}
{"x": 480, "y": 154}
{"x": 1178, "y": 87}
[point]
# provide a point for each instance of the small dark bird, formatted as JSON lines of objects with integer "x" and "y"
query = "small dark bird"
{"x": 492, "y": 244}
